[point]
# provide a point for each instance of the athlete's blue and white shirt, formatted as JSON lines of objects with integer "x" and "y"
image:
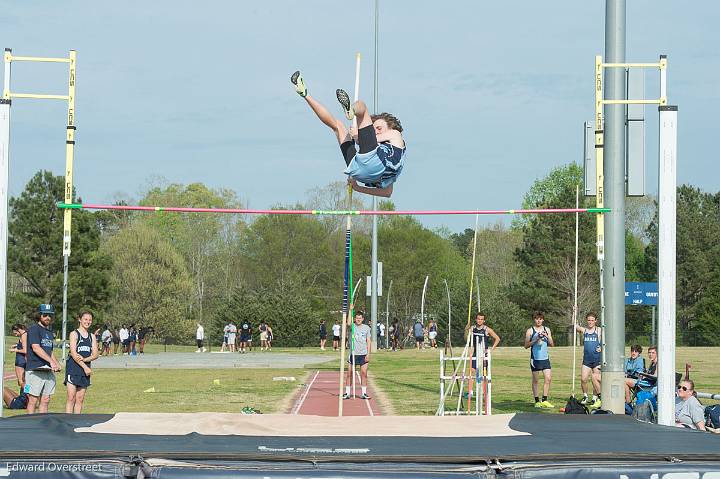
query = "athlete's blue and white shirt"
{"x": 378, "y": 168}
{"x": 591, "y": 347}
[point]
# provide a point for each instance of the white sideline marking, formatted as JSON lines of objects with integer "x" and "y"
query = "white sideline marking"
{"x": 305, "y": 394}
{"x": 367, "y": 403}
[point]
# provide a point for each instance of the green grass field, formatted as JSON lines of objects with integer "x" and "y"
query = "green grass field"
{"x": 407, "y": 379}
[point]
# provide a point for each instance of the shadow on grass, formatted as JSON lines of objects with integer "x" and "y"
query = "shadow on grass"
{"x": 399, "y": 385}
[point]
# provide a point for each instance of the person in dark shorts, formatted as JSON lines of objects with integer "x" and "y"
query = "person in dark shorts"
{"x": 394, "y": 335}
{"x": 143, "y": 335}
{"x": 538, "y": 338}
{"x": 14, "y": 400}
{"x": 270, "y": 337}
{"x": 133, "y": 339}
{"x": 323, "y": 334}
{"x": 245, "y": 335}
{"x": 115, "y": 340}
{"x": 125, "y": 339}
{"x": 83, "y": 350}
{"x": 106, "y": 341}
{"x": 41, "y": 363}
{"x": 378, "y": 159}
{"x": 20, "y": 350}
{"x": 359, "y": 354}
{"x": 419, "y": 332}
{"x": 592, "y": 357}
{"x": 481, "y": 333}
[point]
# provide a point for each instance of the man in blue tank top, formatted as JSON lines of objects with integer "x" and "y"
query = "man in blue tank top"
{"x": 41, "y": 363}
{"x": 592, "y": 358}
{"x": 83, "y": 350}
{"x": 378, "y": 159}
{"x": 538, "y": 338}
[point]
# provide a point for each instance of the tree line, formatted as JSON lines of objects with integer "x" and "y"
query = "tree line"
{"x": 174, "y": 270}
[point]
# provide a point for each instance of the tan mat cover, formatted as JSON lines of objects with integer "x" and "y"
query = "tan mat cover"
{"x": 223, "y": 424}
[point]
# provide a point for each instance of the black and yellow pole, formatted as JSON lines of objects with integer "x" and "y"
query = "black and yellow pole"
{"x": 67, "y": 219}
{"x": 8, "y": 95}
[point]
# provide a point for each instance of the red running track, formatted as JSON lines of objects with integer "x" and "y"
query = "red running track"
{"x": 320, "y": 398}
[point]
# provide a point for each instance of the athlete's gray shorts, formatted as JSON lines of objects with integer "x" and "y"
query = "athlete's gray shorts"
{"x": 40, "y": 383}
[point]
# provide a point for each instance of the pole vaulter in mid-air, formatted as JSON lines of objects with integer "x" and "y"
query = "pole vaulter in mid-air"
{"x": 378, "y": 158}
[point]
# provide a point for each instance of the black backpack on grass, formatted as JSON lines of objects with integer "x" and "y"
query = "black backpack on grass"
{"x": 574, "y": 406}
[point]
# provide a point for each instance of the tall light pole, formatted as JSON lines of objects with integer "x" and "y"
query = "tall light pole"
{"x": 613, "y": 378}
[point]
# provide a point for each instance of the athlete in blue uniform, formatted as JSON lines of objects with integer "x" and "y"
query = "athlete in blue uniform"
{"x": 20, "y": 350}
{"x": 379, "y": 157}
{"x": 538, "y": 338}
{"x": 83, "y": 350}
{"x": 592, "y": 357}
{"x": 480, "y": 334}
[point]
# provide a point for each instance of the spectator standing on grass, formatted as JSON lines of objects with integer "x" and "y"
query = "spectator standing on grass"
{"x": 116, "y": 340}
{"x": 245, "y": 335}
{"x": 98, "y": 335}
{"x": 270, "y": 337}
{"x": 419, "y": 332}
{"x": 106, "y": 340}
{"x": 226, "y": 333}
{"x": 143, "y": 336}
{"x": 20, "y": 350}
{"x": 432, "y": 333}
{"x": 133, "y": 339}
{"x": 83, "y": 350}
{"x": 232, "y": 336}
{"x": 125, "y": 339}
{"x": 323, "y": 334}
{"x": 381, "y": 335}
{"x": 41, "y": 362}
{"x": 394, "y": 334}
{"x": 263, "y": 330}
{"x": 539, "y": 338}
{"x": 689, "y": 412}
{"x": 336, "y": 335}
{"x": 199, "y": 338}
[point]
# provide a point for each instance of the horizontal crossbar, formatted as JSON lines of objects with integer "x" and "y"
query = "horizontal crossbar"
{"x": 173, "y": 209}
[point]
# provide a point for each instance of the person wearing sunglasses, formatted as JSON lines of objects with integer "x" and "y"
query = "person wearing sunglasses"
{"x": 689, "y": 412}
{"x": 41, "y": 363}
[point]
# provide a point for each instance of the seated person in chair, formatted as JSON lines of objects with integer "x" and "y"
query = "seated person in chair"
{"x": 634, "y": 367}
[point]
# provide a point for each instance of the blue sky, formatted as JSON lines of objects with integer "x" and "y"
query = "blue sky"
{"x": 492, "y": 95}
